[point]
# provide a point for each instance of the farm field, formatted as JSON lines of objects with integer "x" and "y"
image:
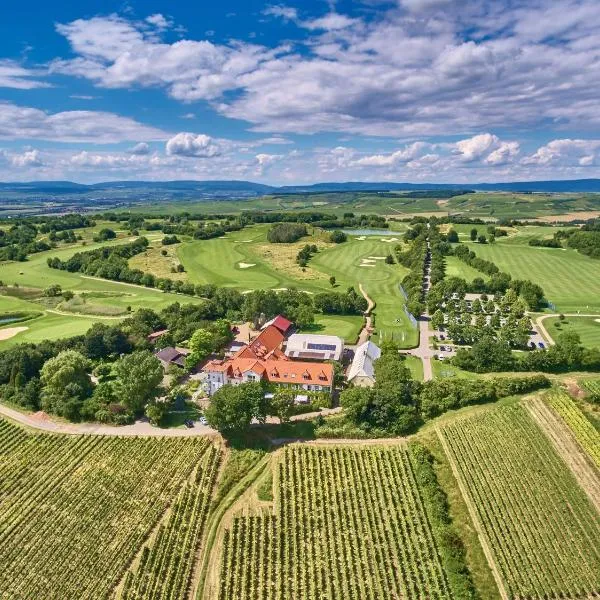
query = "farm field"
{"x": 570, "y": 280}
{"x": 76, "y": 510}
{"x": 349, "y": 522}
{"x": 517, "y": 487}
{"x": 588, "y": 328}
{"x": 585, "y": 433}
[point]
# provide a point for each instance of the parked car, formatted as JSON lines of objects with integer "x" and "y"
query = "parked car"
{"x": 203, "y": 421}
{"x": 541, "y": 345}
{"x": 189, "y": 424}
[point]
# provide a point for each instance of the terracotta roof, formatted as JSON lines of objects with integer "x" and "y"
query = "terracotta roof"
{"x": 281, "y": 323}
{"x": 269, "y": 340}
{"x": 277, "y": 371}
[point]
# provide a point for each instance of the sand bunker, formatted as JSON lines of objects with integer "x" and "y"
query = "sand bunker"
{"x": 377, "y": 257}
{"x": 362, "y": 238}
{"x": 368, "y": 261}
{"x": 243, "y": 265}
{"x": 366, "y": 265}
{"x": 6, "y": 334}
{"x": 597, "y": 320}
{"x": 389, "y": 240}
{"x": 280, "y": 289}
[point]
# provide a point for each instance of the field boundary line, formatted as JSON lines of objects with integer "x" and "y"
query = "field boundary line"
{"x": 474, "y": 518}
{"x": 567, "y": 447}
{"x": 214, "y": 523}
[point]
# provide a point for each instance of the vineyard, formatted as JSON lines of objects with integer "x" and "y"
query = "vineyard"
{"x": 538, "y": 526}
{"x": 165, "y": 569}
{"x": 75, "y": 510}
{"x": 349, "y": 522}
{"x": 592, "y": 387}
{"x": 585, "y": 433}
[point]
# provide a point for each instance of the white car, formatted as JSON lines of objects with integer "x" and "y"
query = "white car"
{"x": 203, "y": 421}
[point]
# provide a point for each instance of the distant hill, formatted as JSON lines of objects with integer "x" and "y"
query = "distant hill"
{"x": 228, "y": 189}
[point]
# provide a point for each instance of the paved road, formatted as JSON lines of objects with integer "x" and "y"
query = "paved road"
{"x": 140, "y": 428}
{"x": 539, "y": 322}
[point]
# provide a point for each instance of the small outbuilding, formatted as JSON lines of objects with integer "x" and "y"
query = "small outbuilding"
{"x": 306, "y": 346}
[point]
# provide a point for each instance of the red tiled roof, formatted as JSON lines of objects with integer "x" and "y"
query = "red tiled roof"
{"x": 277, "y": 371}
{"x": 269, "y": 340}
{"x": 281, "y": 323}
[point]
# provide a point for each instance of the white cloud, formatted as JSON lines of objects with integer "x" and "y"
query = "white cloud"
{"x": 13, "y": 75}
{"x": 565, "y": 152}
{"x": 279, "y": 10}
{"x": 30, "y": 158}
{"x": 188, "y": 116}
{"x": 159, "y": 21}
{"x": 475, "y": 147}
{"x": 330, "y": 22}
{"x": 405, "y": 155}
{"x": 115, "y": 53}
{"x": 190, "y": 144}
{"x": 505, "y": 152}
{"x": 21, "y": 122}
{"x": 140, "y": 149}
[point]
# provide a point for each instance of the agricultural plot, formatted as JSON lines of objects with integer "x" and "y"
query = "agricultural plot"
{"x": 349, "y": 522}
{"x": 77, "y": 509}
{"x": 592, "y": 387}
{"x": 166, "y": 566}
{"x": 585, "y": 433}
{"x": 538, "y": 526}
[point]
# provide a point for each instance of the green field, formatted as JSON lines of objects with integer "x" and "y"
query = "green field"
{"x": 76, "y": 511}
{"x": 218, "y": 261}
{"x": 570, "y": 280}
{"x": 527, "y": 503}
{"x": 35, "y": 273}
{"x": 588, "y": 328}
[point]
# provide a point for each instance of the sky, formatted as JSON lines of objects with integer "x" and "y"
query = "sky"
{"x": 300, "y": 92}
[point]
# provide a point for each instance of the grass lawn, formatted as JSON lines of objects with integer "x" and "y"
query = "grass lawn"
{"x": 239, "y": 260}
{"x": 457, "y": 268}
{"x": 345, "y": 326}
{"x": 570, "y": 280}
{"x": 588, "y": 329}
{"x": 442, "y": 369}
{"x": 415, "y": 366}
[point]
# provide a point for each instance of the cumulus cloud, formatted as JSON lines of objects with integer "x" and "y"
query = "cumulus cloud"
{"x": 400, "y": 156}
{"x": 140, "y": 149}
{"x": 13, "y": 75}
{"x": 565, "y": 152}
{"x": 117, "y": 53}
{"x": 192, "y": 145}
{"x": 159, "y": 21}
{"x": 21, "y": 122}
{"x": 330, "y": 22}
{"x": 279, "y": 10}
{"x": 475, "y": 147}
{"x": 30, "y": 158}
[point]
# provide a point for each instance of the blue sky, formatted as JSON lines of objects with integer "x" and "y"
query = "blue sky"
{"x": 405, "y": 90}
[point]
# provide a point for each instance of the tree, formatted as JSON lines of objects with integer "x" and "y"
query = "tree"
{"x": 282, "y": 405}
{"x": 473, "y": 234}
{"x": 481, "y": 239}
{"x": 65, "y": 384}
{"x": 67, "y": 295}
{"x": 437, "y": 320}
{"x": 305, "y": 317}
{"x": 137, "y": 379}
{"x": 202, "y": 342}
{"x": 337, "y": 237}
{"x": 156, "y": 412}
{"x": 332, "y": 281}
{"x": 452, "y": 236}
{"x": 233, "y": 407}
{"x": 53, "y": 290}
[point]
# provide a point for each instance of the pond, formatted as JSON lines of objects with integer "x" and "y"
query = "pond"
{"x": 5, "y": 320}
{"x": 386, "y": 232}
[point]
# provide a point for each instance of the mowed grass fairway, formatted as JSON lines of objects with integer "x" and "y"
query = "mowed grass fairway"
{"x": 570, "y": 280}
{"x": 237, "y": 260}
{"x": 35, "y": 273}
{"x": 76, "y": 510}
{"x": 588, "y": 329}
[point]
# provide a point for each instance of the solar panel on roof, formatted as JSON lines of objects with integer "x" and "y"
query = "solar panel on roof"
{"x": 314, "y": 346}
